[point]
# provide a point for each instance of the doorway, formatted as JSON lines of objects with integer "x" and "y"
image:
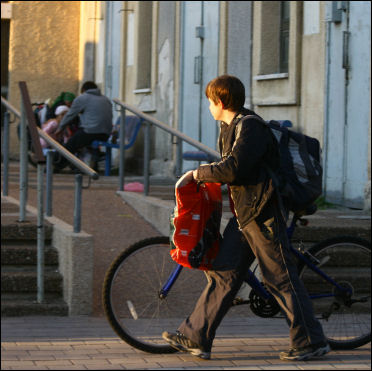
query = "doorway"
{"x": 348, "y": 103}
{"x": 199, "y": 65}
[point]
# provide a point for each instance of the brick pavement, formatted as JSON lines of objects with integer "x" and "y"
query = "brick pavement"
{"x": 88, "y": 343}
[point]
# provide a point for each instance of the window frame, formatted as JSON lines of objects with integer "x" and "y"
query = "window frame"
{"x": 277, "y": 88}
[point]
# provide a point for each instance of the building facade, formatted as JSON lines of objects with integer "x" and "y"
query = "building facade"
{"x": 305, "y": 61}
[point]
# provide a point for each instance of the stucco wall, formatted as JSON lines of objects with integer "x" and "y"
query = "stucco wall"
{"x": 164, "y": 98}
{"x": 238, "y": 55}
{"x": 43, "y": 51}
{"x": 313, "y": 75}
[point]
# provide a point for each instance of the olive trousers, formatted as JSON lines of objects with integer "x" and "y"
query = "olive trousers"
{"x": 264, "y": 238}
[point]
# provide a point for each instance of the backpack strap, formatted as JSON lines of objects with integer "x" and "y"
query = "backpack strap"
{"x": 274, "y": 178}
{"x": 271, "y": 173}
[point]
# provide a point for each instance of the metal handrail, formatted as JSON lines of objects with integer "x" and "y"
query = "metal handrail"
{"x": 26, "y": 116}
{"x": 10, "y": 107}
{"x": 81, "y": 165}
{"x": 32, "y": 127}
{"x": 170, "y": 130}
{"x": 148, "y": 121}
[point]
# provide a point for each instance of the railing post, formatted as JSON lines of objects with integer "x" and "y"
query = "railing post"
{"x": 179, "y": 144}
{"x": 23, "y": 177}
{"x": 122, "y": 149}
{"x": 6, "y": 153}
{"x": 146, "y": 158}
{"x": 77, "y": 207}
{"x": 49, "y": 182}
{"x": 40, "y": 233}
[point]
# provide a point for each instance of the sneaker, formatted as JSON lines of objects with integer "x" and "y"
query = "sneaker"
{"x": 182, "y": 343}
{"x": 304, "y": 353}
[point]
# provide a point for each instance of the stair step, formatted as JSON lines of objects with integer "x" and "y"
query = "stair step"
{"x": 13, "y": 305}
{"x": 317, "y": 233}
{"x": 7, "y": 207}
{"x": 23, "y": 279}
{"x": 11, "y": 229}
{"x": 16, "y": 252}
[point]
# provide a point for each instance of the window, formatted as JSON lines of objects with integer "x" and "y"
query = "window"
{"x": 276, "y": 56}
{"x": 144, "y": 27}
{"x": 284, "y": 36}
{"x": 274, "y": 37}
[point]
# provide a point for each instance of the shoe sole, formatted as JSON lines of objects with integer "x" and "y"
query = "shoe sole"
{"x": 194, "y": 351}
{"x": 316, "y": 353}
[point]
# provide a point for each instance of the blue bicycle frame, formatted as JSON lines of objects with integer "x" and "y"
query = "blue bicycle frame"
{"x": 252, "y": 280}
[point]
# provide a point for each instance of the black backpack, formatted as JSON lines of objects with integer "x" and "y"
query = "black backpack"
{"x": 299, "y": 178}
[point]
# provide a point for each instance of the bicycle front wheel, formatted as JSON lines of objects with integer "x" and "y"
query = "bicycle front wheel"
{"x": 131, "y": 295}
{"x": 344, "y": 311}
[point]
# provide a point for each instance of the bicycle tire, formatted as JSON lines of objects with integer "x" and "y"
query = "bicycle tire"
{"x": 347, "y": 260}
{"x": 132, "y": 285}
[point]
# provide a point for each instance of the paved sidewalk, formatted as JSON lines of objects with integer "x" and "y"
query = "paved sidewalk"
{"x": 88, "y": 343}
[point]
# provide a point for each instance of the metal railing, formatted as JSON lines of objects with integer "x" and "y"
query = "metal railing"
{"x": 26, "y": 116}
{"x": 148, "y": 120}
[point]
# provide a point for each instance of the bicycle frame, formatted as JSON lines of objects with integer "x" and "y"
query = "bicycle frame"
{"x": 252, "y": 280}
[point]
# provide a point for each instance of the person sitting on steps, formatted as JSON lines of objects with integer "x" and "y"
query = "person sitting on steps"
{"x": 95, "y": 112}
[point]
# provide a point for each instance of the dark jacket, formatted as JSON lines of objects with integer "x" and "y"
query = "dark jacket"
{"x": 95, "y": 112}
{"x": 247, "y": 145}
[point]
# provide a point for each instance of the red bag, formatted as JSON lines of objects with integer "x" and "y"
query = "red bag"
{"x": 195, "y": 225}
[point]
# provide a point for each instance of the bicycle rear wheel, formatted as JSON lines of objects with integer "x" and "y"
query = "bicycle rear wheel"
{"x": 131, "y": 299}
{"x": 346, "y": 318}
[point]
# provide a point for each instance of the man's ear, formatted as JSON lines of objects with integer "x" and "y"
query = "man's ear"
{"x": 220, "y": 103}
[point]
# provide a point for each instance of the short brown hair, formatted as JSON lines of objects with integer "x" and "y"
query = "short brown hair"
{"x": 88, "y": 85}
{"x": 229, "y": 89}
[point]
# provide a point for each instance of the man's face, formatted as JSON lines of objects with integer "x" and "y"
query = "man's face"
{"x": 215, "y": 109}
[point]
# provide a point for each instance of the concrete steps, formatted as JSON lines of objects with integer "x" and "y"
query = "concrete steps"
{"x": 19, "y": 272}
{"x": 14, "y": 305}
{"x": 20, "y": 279}
{"x": 24, "y": 253}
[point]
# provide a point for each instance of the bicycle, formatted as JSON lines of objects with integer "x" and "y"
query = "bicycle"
{"x": 145, "y": 292}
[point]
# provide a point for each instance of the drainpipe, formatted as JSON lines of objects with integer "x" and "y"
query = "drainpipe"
{"x": 346, "y": 67}
{"x": 326, "y": 109}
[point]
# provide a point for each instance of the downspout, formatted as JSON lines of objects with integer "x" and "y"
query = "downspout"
{"x": 181, "y": 16}
{"x": 345, "y": 66}
{"x": 200, "y": 35}
{"x": 250, "y": 57}
{"x": 326, "y": 109}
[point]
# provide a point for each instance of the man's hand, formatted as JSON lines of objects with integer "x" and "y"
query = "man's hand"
{"x": 185, "y": 179}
